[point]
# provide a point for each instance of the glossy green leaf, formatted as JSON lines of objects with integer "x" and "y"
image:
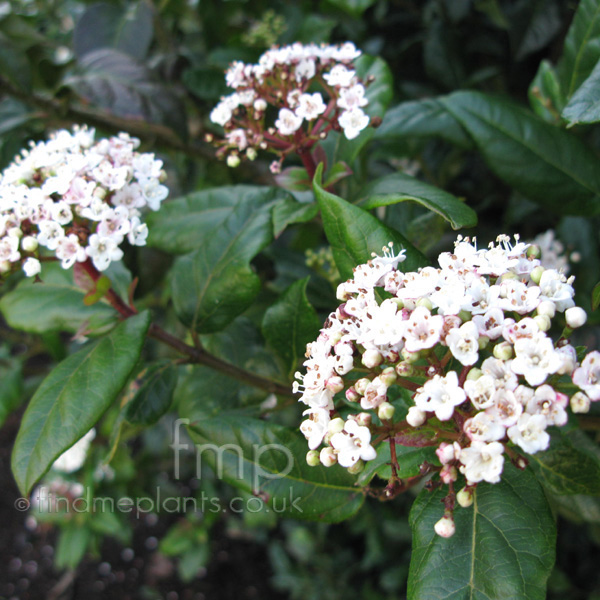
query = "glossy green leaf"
{"x": 355, "y": 8}
{"x": 441, "y": 55}
{"x": 422, "y": 119}
{"x": 73, "y": 397}
{"x": 56, "y": 304}
{"x": 567, "y": 467}
{"x": 545, "y": 95}
{"x": 185, "y": 224}
{"x": 11, "y": 386}
{"x": 154, "y": 391}
{"x": 118, "y": 83}
{"x": 290, "y": 324}
{"x": 104, "y": 25}
{"x": 294, "y": 179}
{"x": 354, "y": 234}
{"x": 14, "y": 64}
{"x": 503, "y": 546}
{"x": 582, "y": 47}
{"x": 290, "y": 211}
{"x": 584, "y": 105}
{"x": 401, "y": 188}
{"x": 534, "y": 25}
{"x": 72, "y": 545}
{"x": 269, "y": 461}
{"x": 207, "y": 83}
{"x": 215, "y": 284}
{"x": 548, "y": 165}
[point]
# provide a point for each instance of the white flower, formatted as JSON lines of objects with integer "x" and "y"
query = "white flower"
{"x": 554, "y": 286}
{"x": 484, "y": 428}
{"x": 102, "y": 251}
{"x": 114, "y": 224}
{"x": 138, "y": 233}
{"x": 310, "y": 106}
{"x": 68, "y": 251}
{"x": 422, "y": 330}
{"x": 221, "y": 114}
{"x": 288, "y": 122}
{"x": 352, "y": 97}
{"x": 415, "y": 417}
{"x": 463, "y": 343}
{"x": 506, "y": 409}
{"x": 587, "y": 376}
{"x": 305, "y": 69}
{"x": 353, "y": 122}
{"x": 237, "y": 138}
{"x": 535, "y": 359}
{"x": 32, "y": 267}
{"x": 339, "y": 76}
{"x": 440, "y": 395}
{"x": 353, "y": 444}
{"x": 50, "y": 234}
{"x": 490, "y": 323}
{"x": 480, "y": 391}
{"x": 530, "y": 433}
{"x": 482, "y": 462}
{"x": 315, "y": 427}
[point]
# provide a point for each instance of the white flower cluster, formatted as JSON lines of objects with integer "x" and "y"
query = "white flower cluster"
{"x": 469, "y": 339}
{"x": 282, "y": 79}
{"x": 78, "y": 199}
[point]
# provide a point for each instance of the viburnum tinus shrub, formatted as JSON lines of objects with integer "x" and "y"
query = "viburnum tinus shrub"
{"x": 470, "y": 342}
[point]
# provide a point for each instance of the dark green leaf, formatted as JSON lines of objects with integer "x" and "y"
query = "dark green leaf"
{"x": 154, "y": 393}
{"x": 545, "y": 96}
{"x": 269, "y": 460}
{"x": 354, "y": 234}
{"x": 290, "y": 211}
{"x": 566, "y": 467}
{"x": 423, "y": 119}
{"x": 14, "y": 64}
{"x": 290, "y": 324}
{"x": 118, "y": 83}
{"x": 128, "y": 29}
{"x": 544, "y": 163}
{"x": 503, "y": 546}
{"x": 11, "y": 386}
{"x": 355, "y": 8}
{"x": 294, "y": 179}
{"x": 584, "y": 105}
{"x": 215, "y": 284}
{"x": 400, "y": 188}
{"x": 184, "y": 224}
{"x": 582, "y": 47}
{"x": 207, "y": 83}
{"x": 535, "y": 24}
{"x": 441, "y": 55}
{"x": 596, "y": 296}
{"x": 13, "y": 114}
{"x": 73, "y": 397}
{"x": 56, "y": 304}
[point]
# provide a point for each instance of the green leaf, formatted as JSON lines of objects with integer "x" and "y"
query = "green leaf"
{"x": 123, "y": 86}
{"x": 269, "y": 460}
{"x": 207, "y": 83}
{"x": 584, "y": 105}
{"x": 56, "y": 304}
{"x": 596, "y": 296}
{"x": 290, "y": 211}
{"x": 534, "y": 25}
{"x": 294, "y": 179}
{"x": 183, "y": 225}
{"x": 152, "y": 400}
{"x": 354, "y": 234}
{"x": 422, "y": 119}
{"x": 566, "y": 467}
{"x": 72, "y": 545}
{"x": 548, "y": 165}
{"x": 582, "y": 47}
{"x": 503, "y": 547}
{"x": 103, "y": 25}
{"x": 215, "y": 284}
{"x": 290, "y": 324}
{"x": 441, "y": 55}
{"x": 545, "y": 96}
{"x": 73, "y": 397}
{"x": 355, "y": 8}
{"x": 14, "y": 64}
{"x": 399, "y": 187}
{"x": 11, "y": 386}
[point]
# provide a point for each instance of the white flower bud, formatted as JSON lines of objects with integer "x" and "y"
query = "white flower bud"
{"x": 388, "y": 376}
{"x": 543, "y": 322}
{"x": 385, "y": 411}
{"x": 534, "y": 251}
{"x": 312, "y": 458}
{"x": 352, "y": 395}
{"x": 445, "y": 527}
{"x": 415, "y": 417}
{"x": 335, "y": 384}
{"x": 5, "y": 266}
{"x": 503, "y": 351}
{"x": 547, "y": 307}
{"x": 404, "y": 369}
{"x": 465, "y": 497}
{"x": 364, "y": 419}
{"x": 328, "y": 457}
{"x": 474, "y": 374}
{"x": 260, "y": 105}
{"x": 371, "y": 358}
{"x": 448, "y": 474}
{"x": 29, "y": 243}
{"x": 251, "y": 154}
{"x": 32, "y": 267}
{"x": 483, "y": 342}
{"x": 410, "y": 357}
{"x": 536, "y": 274}
{"x": 580, "y": 403}
{"x": 426, "y": 302}
{"x": 15, "y": 232}
{"x": 335, "y": 425}
{"x": 576, "y": 317}
{"x": 233, "y": 161}
{"x": 361, "y": 385}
